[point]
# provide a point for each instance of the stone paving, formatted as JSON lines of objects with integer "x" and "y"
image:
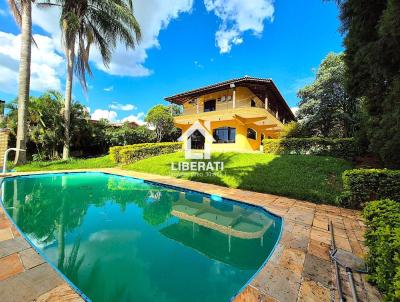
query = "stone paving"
{"x": 299, "y": 269}
{"x": 24, "y": 275}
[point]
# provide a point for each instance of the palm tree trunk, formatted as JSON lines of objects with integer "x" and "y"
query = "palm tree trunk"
{"x": 70, "y": 52}
{"x": 24, "y": 79}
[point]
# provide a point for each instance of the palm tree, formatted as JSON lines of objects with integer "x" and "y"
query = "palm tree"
{"x": 86, "y": 22}
{"x": 22, "y": 12}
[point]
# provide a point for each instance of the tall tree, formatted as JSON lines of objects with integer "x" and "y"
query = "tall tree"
{"x": 160, "y": 118}
{"x": 372, "y": 56}
{"x": 325, "y": 108}
{"x": 22, "y": 12}
{"x": 87, "y": 22}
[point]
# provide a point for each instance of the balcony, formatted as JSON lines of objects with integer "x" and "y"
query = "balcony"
{"x": 245, "y": 113}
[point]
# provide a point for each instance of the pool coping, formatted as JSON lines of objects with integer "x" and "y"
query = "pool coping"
{"x": 302, "y": 244}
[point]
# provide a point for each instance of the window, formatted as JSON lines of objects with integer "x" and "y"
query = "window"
{"x": 224, "y": 135}
{"x": 253, "y": 103}
{"x": 209, "y": 106}
{"x": 251, "y": 133}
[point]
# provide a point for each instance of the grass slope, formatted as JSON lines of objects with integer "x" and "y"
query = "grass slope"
{"x": 314, "y": 178}
{"x": 89, "y": 163}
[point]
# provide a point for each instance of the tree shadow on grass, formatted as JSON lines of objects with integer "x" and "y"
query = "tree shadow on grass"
{"x": 313, "y": 178}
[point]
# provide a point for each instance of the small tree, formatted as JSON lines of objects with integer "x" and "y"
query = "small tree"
{"x": 159, "y": 117}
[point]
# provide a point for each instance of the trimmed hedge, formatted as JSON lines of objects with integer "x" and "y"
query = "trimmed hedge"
{"x": 383, "y": 241}
{"x": 362, "y": 185}
{"x": 338, "y": 147}
{"x": 131, "y": 153}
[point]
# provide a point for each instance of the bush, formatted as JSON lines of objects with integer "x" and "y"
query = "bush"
{"x": 383, "y": 240}
{"x": 339, "y": 147}
{"x": 362, "y": 185}
{"x": 291, "y": 129}
{"x": 132, "y": 153}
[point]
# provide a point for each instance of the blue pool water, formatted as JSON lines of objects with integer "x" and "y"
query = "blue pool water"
{"x": 124, "y": 239}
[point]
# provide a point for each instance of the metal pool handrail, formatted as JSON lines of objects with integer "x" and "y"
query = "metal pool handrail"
{"x": 6, "y": 155}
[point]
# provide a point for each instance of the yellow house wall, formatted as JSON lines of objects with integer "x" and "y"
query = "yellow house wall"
{"x": 243, "y": 100}
{"x": 242, "y": 143}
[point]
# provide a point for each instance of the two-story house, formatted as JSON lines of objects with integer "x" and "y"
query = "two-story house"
{"x": 234, "y": 115}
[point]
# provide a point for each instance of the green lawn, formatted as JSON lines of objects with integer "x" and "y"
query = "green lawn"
{"x": 98, "y": 162}
{"x": 314, "y": 178}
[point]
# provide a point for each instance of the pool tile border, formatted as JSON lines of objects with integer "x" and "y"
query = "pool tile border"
{"x": 299, "y": 269}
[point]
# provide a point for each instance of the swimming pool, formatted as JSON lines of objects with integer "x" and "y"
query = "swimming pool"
{"x": 120, "y": 238}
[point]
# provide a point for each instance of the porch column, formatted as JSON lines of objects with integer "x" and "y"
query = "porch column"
{"x": 197, "y": 105}
{"x": 277, "y": 114}
{"x": 233, "y": 95}
{"x": 266, "y": 103}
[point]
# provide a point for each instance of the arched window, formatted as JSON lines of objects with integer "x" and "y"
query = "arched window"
{"x": 224, "y": 135}
{"x": 251, "y": 133}
{"x": 253, "y": 103}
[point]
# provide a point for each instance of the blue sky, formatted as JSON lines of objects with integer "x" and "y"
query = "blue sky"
{"x": 186, "y": 44}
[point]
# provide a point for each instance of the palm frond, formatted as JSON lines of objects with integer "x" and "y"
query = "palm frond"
{"x": 101, "y": 23}
{"x": 16, "y": 11}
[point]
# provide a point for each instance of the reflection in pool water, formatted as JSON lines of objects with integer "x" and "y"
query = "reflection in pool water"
{"x": 122, "y": 239}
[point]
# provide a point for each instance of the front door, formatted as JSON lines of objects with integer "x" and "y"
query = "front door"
{"x": 197, "y": 141}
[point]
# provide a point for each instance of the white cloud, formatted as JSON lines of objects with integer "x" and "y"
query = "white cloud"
{"x": 152, "y": 15}
{"x": 238, "y": 16}
{"x": 99, "y": 114}
{"x": 46, "y": 67}
{"x": 138, "y": 118}
{"x": 112, "y": 116}
{"x": 123, "y": 107}
{"x": 198, "y": 65}
{"x": 109, "y": 89}
{"x": 294, "y": 110}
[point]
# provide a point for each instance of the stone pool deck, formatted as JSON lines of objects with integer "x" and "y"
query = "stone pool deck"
{"x": 299, "y": 269}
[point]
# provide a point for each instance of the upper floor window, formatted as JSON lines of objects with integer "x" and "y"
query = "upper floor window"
{"x": 251, "y": 133}
{"x": 209, "y": 105}
{"x": 253, "y": 103}
{"x": 224, "y": 135}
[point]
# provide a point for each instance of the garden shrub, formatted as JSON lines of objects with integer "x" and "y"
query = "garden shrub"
{"x": 131, "y": 153}
{"x": 383, "y": 241}
{"x": 338, "y": 147}
{"x": 362, "y": 185}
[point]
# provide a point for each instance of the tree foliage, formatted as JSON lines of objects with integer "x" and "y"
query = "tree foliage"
{"x": 372, "y": 56}
{"x": 45, "y": 124}
{"x": 160, "y": 118}
{"x": 325, "y": 108}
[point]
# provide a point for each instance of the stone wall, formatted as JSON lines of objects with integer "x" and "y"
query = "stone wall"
{"x": 3, "y": 143}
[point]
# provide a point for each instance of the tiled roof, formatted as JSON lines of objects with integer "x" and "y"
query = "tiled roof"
{"x": 217, "y": 85}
